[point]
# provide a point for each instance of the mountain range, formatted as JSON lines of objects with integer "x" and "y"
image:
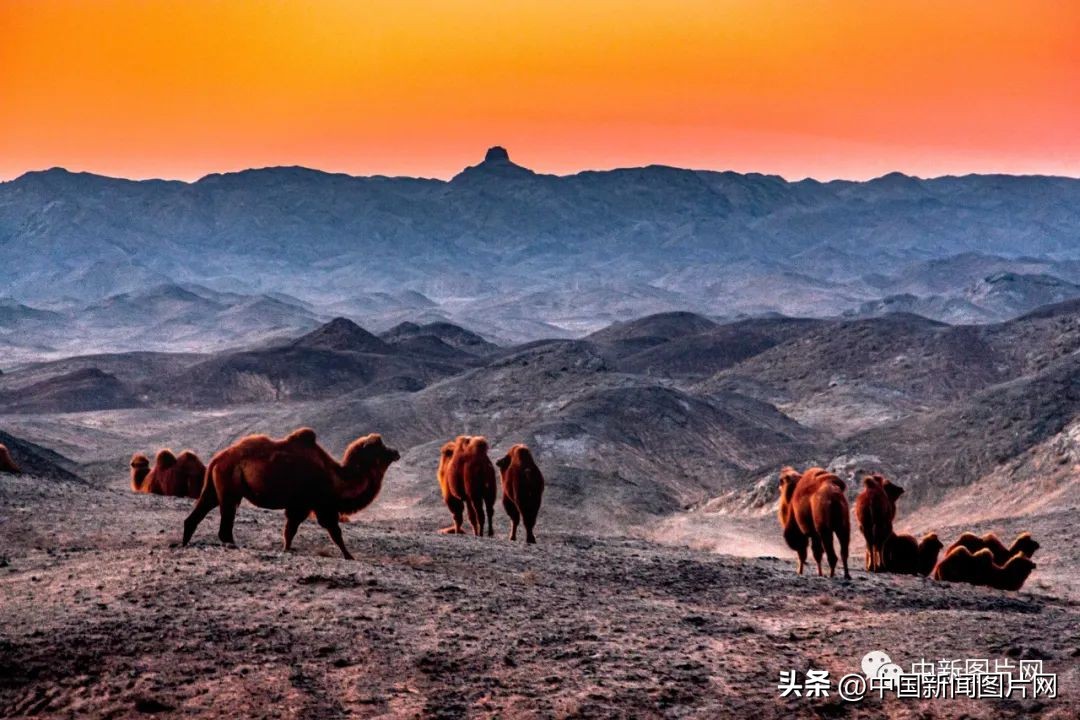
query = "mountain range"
{"x": 90, "y": 263}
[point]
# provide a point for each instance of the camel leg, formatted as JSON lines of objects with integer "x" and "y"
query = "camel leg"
{"x": 227, "y": 509}
{"x": 207, "y": 501}
{"x": 480, "y": 517}
{"x": 457, "y": 509}
{"x": 830, "y": 551}
{"x": 329, "y": 520}
{"x": 489, "y": 502}
{"x": 515, "y": 516}
{"x": 293, "y": 518}
{"x": 802, "y": 558}
{"x": 842, "y": 537}
{"x": 869, "y": 562}
{"x": 818, "y": 550}
{"x": 528, "y": 518}
{"x": 474, "y": 521}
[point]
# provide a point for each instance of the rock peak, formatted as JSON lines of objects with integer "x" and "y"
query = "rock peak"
{"x": 496, "y": 164}
{"x": 497, "y": 154}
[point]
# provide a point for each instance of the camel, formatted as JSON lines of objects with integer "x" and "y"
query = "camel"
{"x": 813, "y": 508}
{"x": 7, "y": 465}
{"x": 294, "y": 474}
{"x": 178, "y": 476}
{"x": 905, "y": 555}
{"x": 1023, "y": 543}
{"x": 875, "y": 509}
{"x": 468, "y": 479}
{"x": 961, "y": 565}
{"x": 523, "y": 489}
{"x": 455, "y": 505}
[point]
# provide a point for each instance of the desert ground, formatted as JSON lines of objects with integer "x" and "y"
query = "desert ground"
{"x": 101, "y": 616}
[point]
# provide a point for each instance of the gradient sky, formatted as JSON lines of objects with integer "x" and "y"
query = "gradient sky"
{"x": 822, "y": 88}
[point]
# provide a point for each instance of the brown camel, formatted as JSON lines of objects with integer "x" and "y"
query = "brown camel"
{"x": 469, "y": 479}
{"x": 813, "y": 508}
{"x": 178, "y": 476}
{"x": 1023, "y": 543}
{"x": 875, "y": 509}
{"x": 523, "y": 488}
{"x": 961, "y": 565}
{"x": 905, "y": 555}
{"x": 7, "y": 465}
{"x": 455, "y": 505}
{"x": 294, "y": 474}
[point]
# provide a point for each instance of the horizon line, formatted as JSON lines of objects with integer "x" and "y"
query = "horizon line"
{"x": 616, "y": 168}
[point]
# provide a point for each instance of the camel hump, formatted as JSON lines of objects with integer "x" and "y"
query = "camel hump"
{"x": 524, "y": 454}
{"x": 840, "y": 484}
{"x": 165, "y": 458}
{"x": 303, "y": 436}
{"x": 479, "y": 444}
{"x": 873, "y": 480}
{"x": 140, "y": 460}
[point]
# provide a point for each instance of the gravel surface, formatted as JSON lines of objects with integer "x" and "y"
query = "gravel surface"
{"x": 100, "y": 617}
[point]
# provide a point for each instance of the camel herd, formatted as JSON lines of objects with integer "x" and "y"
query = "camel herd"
{"x": 296, "y": 475}
{"x": 814, "y": 509}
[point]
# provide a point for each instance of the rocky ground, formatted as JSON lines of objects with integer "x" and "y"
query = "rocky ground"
{"x": 100, "y": 617}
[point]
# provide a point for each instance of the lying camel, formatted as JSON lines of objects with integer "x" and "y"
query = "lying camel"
{"x": 1023, "y": 543}
{"x": 7, "y": 465}
{"x": 469, "y": 479}
{"x": 813, "y": 508}
{"x": 294, "y": 474}
{"x": 961, "y": 565}
{"x": 905, "y": 555}
{"x": 875, "y": 510}
{"x": 523, "y": 488}
{"x": 178, "y": 476}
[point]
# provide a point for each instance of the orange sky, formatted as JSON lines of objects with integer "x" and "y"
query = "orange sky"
{"x": 826, "y": 88}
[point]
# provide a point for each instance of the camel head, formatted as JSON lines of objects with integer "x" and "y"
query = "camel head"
{"x": 368, "y": 457}
{"x": 789, "y": 478}
{"x": 931, "y": 540}
{"x": 891, "y": 489}
{"x": 1015, "y": 572}
{"x": 362, "y": 471}
{"x": 1025, "y": 544}
{"x": 140, "y": 468}
{"x": 504, "y": 462}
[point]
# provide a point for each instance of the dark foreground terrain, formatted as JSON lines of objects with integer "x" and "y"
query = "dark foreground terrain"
{"x": 100, "y": 617}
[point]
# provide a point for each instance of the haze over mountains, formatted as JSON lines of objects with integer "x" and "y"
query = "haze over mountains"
{"x": 523, "y": 307}
{"x": 99, "y": 264}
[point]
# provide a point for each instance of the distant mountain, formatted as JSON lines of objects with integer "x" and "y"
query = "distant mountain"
{"x": 449, "y": 334}
{"x": 164, "y": 317}
{"x": 514, "y": 254}
{"x": 998, "y": 296}
{"x": 638, "y": 421}
{"x": 343, "y": 335}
